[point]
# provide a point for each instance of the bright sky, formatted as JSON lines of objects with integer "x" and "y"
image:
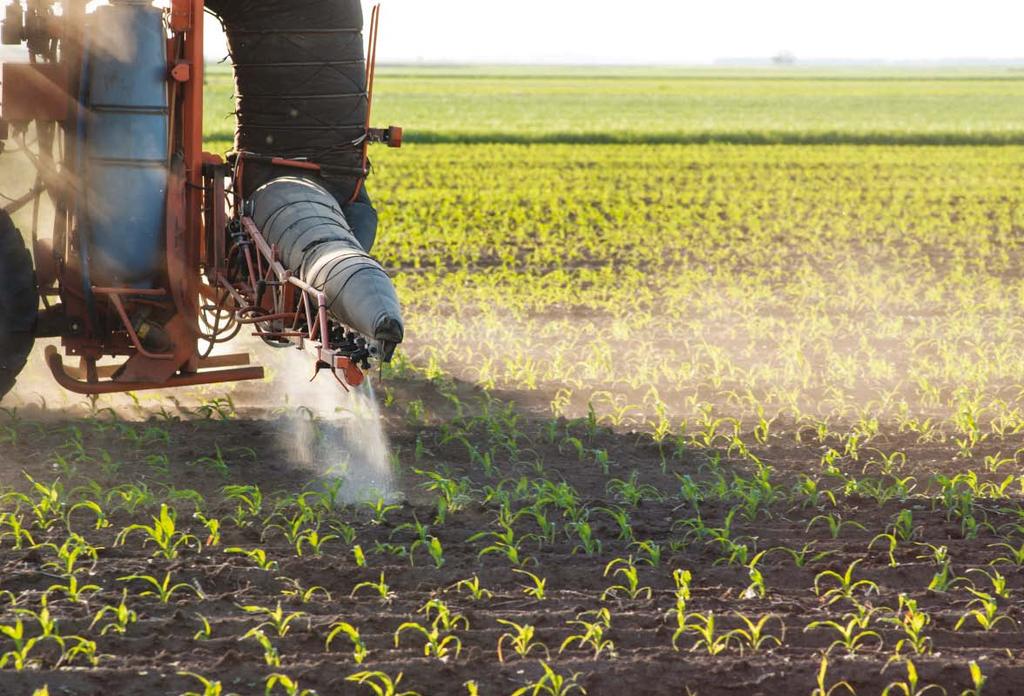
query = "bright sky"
{"x": 690, "y": 31}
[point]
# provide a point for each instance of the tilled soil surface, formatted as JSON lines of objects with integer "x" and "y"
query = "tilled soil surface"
{"x": 92, "y": 460}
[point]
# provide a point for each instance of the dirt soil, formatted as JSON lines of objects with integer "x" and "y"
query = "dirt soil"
{"x": 147, "y": 659}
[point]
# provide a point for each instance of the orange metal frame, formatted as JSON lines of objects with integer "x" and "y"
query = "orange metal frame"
{"x": 185, "y": 234}
{"x": 196, "y": 226}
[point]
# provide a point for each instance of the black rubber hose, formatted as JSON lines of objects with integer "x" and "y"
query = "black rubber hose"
{"x": 300, "y": 84}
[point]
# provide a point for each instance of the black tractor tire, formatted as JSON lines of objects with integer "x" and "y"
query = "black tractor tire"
{"x": 19, "y": 303}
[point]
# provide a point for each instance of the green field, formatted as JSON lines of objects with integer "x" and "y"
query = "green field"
{"x": 810, "y": 280}
{"x": 713, "y": 384}
{"x": 672, "y": 276}
{"x": 687, "y": 261}
{"x": 686, "y": 106}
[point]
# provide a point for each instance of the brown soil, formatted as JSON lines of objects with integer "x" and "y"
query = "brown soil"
{"x": 148, "y": 658}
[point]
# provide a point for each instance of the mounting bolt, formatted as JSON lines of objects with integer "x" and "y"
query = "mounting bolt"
{"x": 181, "y": 72}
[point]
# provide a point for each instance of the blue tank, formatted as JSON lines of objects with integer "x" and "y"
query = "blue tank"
{"x": 126, "y": 144}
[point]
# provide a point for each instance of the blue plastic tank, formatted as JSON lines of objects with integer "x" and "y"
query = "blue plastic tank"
{"x": 126, "y": 143}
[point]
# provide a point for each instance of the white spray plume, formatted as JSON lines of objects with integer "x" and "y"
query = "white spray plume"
{"x": 328, "y": 431}
{"x": 342, "y": 436}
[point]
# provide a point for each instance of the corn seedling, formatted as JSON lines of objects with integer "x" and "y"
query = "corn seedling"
{"x": 211, "y": 687}
{"x": 68, "y": 554}
{"x": 552, "y": 684}
{"x": 977, "y": 680}
{"x": 205, "y": 631}
{"x": 630, "y": 586}
{"x": 985, "y": 612}
{"x": 704, "y": 627}
{"x": 649, "y": 552}
{"x": 288, "y": 685}
{"x": 852, "y": 635}
{"x": 313, "y": 540}
{"x": 846, "y": 585}
{"x": 803, "y": 556}
{"x": 520, "y": 638}
{"x": 682, "y": 579}
{"x": 592, "y": 637}
{"x": 384, "y": 592}
{"x": 910, "y": 686}
{"x": 359, "y": 651}
{"x": 441, "y": 615}
{"x": 436, "y": 551}
{"x": 212, "y": 525}
{"x": 72, "y": 590}
{"x": 835, "y": 524}
{"x": 257, "y": 556}
{"x": 380, "y": 683}
{"x": 16, "y": 531}
{"x": 536, "y": 588}
{"x": 588, "y": 543}
{"x": 379, "y": 509}
{"x": 305, "y": 595}
{"x": 18, "y": 655}
{"x": 163, "y": 533}
{"x": 473, "y": 587}
{"x": 121, "y": 615}
{"x": 164, "y": 590}
{"x": 996, "y": 580}
{"x": 276, "y": 618}
{"x": 912, "y": 621}
{"x": 271, "y": 657}
{"x": 248, "y": 503}
{"x": 822, "y": 688}
{"x": 503, "y": 543}
{"x": 757, "y": 587}
{"x": 631, "y": 492}
{"x": 622, "y": 521}
{"x": 436, "y": 642}
{"x": 100, "y": 520}
{"x": 944, "y": 578}
{"x": 752, "y": 636}
{"x": 892, "y": 542}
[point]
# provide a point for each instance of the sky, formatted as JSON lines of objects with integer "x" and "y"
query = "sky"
{"x": 687, "y": 32}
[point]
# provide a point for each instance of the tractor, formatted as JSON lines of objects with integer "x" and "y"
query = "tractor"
{"x": 158, "y": 252}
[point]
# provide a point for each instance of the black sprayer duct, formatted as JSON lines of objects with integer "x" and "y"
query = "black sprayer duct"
{"x": 300, "y": 85}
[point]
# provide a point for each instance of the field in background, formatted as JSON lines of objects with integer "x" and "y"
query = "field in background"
{"x": 806, "y": 280}
{"x": 454, "y": 105}
{"x": 713, "y": 383}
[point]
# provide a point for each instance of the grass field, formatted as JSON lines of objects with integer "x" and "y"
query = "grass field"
{"x": 686, "y": 106}
{"x": 713, "y": 384}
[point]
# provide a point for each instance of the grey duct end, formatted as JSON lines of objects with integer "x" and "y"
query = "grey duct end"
{"x": 390, "y": 330}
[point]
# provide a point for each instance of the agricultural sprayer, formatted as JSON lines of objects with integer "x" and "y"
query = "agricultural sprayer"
{"x": 158, "y": 252}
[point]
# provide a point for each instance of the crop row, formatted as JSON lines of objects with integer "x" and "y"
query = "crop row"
{"x": 704, "y": 557}
{"x": 828, "y": 282}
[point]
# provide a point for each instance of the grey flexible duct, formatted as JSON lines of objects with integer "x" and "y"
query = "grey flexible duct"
{"x": 316, "y": 242}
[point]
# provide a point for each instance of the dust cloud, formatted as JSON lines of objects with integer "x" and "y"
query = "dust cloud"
{"x": 326, "y": 431}
{"x": 334, "y": 433}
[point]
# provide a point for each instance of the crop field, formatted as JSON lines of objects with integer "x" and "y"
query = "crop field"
{"x": 713, "y": 384}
